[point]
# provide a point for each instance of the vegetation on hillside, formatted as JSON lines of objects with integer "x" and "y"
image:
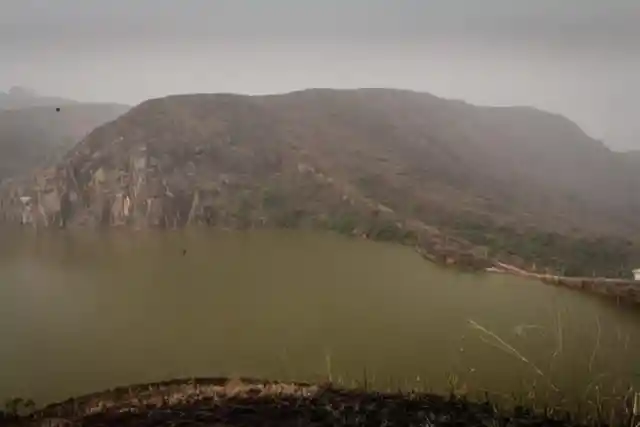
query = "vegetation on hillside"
{"x": 551, "y": 252}
{"x": 459, "y": 181}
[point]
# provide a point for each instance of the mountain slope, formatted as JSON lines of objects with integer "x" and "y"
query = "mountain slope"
{"x": 520, "y": 184}
{"x": 37, "y": 136}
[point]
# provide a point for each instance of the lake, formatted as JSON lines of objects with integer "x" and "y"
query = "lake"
{"x": 84, "y": 312}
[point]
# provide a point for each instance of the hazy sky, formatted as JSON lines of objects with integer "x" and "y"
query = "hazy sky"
{"x": 580, "y": 58}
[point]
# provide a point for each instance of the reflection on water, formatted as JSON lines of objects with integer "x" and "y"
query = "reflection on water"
{"x": 85, "y": 312}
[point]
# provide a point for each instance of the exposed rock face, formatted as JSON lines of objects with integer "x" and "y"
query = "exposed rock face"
{"x": 449, "y": 177}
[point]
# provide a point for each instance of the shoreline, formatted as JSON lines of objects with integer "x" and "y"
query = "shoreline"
{"x": 623, "y": 290}
{"x": 239, "y": 402}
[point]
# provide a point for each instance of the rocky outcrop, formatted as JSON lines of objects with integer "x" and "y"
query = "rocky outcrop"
{"x": 161, "y": 167}
{"x": 153, "y": 175}
{"x": 451, "y": 178}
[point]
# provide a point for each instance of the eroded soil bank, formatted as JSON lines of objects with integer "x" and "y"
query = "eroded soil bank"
{"x": 222, "y": 402}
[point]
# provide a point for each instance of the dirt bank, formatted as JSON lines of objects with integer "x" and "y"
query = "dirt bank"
{"x": 222, "y": 402}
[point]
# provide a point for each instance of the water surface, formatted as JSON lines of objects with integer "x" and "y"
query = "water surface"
{"x": 83, "y": 312}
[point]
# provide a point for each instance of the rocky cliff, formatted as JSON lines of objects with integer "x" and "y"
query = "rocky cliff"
{"x": 456, "y": 180}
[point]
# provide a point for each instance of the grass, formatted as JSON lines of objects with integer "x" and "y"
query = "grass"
{"x": 617, "y": 407}
{"x": 504, "y": 346}
{"x": 188, "y": 391}
{"x": 607, "y": 399}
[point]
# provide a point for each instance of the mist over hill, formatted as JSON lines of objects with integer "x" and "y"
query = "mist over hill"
{"x": 21, "y": 97}
{"x": 512, "y": 183}
{"x": 37, "y": 131}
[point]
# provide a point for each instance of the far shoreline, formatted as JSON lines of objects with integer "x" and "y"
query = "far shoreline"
{"x": 623, "y": 290}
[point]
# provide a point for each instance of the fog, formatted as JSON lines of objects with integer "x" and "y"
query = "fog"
{"x": 579, "y": 58}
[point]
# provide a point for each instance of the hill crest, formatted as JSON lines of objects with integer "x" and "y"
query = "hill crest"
{"x": 396, "y": 165}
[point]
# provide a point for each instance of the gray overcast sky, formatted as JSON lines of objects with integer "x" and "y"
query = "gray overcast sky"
{"x": 580, "y": 58}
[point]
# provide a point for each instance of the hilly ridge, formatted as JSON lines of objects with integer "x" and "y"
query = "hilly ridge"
{"x": 38, "y": 136}
{"x": 19, "y": 97}
{"x": 459, "y": 181}
{"x": 36, "y": 130}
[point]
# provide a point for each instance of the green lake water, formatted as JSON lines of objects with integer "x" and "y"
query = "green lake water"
{"x": 84, "y": 312}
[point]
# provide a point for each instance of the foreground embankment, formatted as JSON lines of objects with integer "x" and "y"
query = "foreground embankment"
{"x": 223, "y": 402}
